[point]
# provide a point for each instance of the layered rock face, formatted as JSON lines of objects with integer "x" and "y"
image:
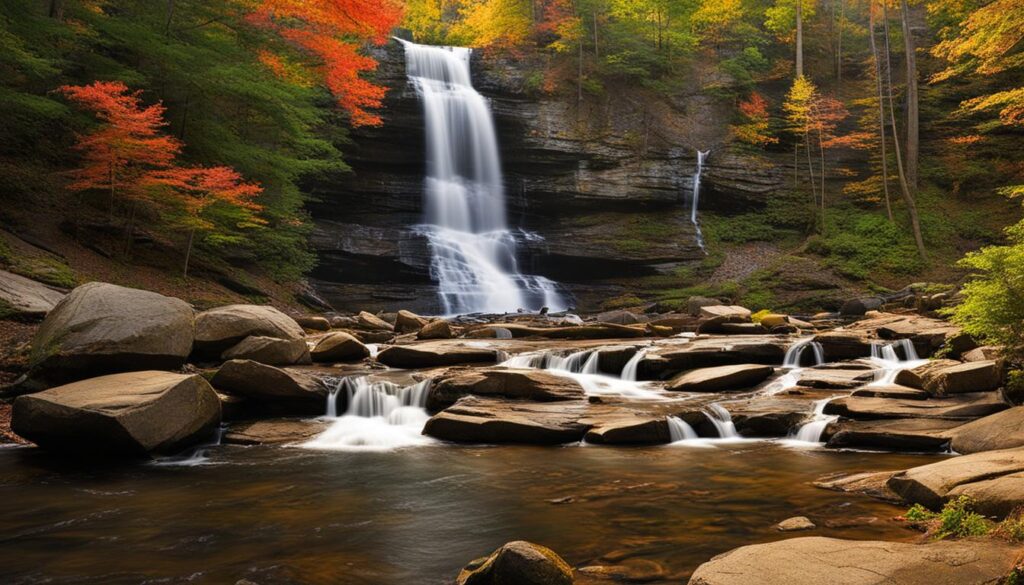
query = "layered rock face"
{"x": 599, "y": 191}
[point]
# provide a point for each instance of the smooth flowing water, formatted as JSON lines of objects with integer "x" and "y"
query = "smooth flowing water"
{"x": 473, "y": 253}
{"x": 285, "y": 516}
{"x": 701, "y": 156}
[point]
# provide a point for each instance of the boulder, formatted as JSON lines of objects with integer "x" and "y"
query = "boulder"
{"x": 26, "y": 297}
{"x": 770, "y": 416}
{"x": 857, "y": 307}
{"x": 795, "y": 524}
{"x": 433, "y": 354}
{"x": 314, "y": 323}
{"x": 437, "y": 329}
{"x": 489, "y": 420}
{"x": 773, "y": 320}
{"x": 612, "y": 359}
{"x": 960, "y": 406}
{"x": 720, "y": 379}
{"x": 269, "y": 350}
{"x": 916, "y": 434}
{"x": 371, "y": 322}
{"x": 1004, "y": 430}
{"x": 339, "y": 346}
{"x": 963, "y": 377}
{"x": 536, "y": 385}
{"x": 518, "y": 563}
{"x": 274, "y": 432}
{"x": 620, "y": 317}
{"x": 844, "y": 345}
{"x": 992, "y": 479}
{"x": 633, "y": 570}
{"x": 102, "y": 328}
{"x": 915, "y": 377}
{"x": 704, "y": 352}
{"x": 274, "y": 389}
{"x": 409, "y": 322}
{"x": 220, "y": 328}
{"x": 742, "y": 329}
{"x": 814, "y": 560}
{"x": 983, "y": 353}
{"x": 891, "y": 391}
{"x": 835, "y": 378}
{"x": 872, "y": 484}
{"x": 131, "y": 413}
{"x": 695, "y": 304}
{"x": 729, "y": 311}
{"x": 371, "y": 336}
{"x": 630, "y": 430}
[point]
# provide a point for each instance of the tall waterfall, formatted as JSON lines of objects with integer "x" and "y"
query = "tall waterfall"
{"x": 701, "y": 155}
{"x": 473, "y": 251}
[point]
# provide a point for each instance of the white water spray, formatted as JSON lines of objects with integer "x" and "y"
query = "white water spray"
{"x": 891, "y": 363}
{"x": 722, "y": 420}
{"x": 680, "y": 430}
{"x": 811, "y": 431}
{"x": 379, "y": 416}
{"x": 582, "y": 366}
{"x": 473, "y": 253}
{"x": 629, "y": 371}
{"x": 701, "y": 156}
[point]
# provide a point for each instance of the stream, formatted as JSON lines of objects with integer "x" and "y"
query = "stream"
{"x": 283, "y": 515}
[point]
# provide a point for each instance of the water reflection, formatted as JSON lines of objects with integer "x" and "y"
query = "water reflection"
{"x": 283, "y": 516}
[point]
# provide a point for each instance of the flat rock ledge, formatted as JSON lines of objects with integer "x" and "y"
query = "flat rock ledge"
{"x": 817, "y": 560}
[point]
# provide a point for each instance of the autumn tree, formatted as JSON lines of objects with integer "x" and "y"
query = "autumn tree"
{"x": 330, "y": 32}
{"x": 754, "y": 129}
{"x": 786, "y": 20}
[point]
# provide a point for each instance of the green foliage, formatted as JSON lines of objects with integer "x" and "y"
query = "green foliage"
{"x": 862, "y": 244}
{"x": 956, "y": 519}
{"x": 622, "y": 301}
{"x": 1012, "y": 527}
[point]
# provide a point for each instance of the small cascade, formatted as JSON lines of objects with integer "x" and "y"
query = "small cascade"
{"x": 629, "y": 371}
{"x": 796, "y": 351}
{"x": 379, "y": 416}
{"x": 582, "y": 366}
{"x": 701, "y": 156}
{"x": 680, "y": 430}
{"x": 195, "y": 456}
{"x": 810, "y": 432}
{"x": 722, "y": 420}
{"x": 892, "y": 358}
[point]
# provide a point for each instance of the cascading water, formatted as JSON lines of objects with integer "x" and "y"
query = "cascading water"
{"x": 791, "y": 365}
{"x": 811, "y": 431}
{"x": 629, "y": 372}
{"x": 680, "y": 430}
{"x": 888, "y": 358}
{"x": 701, "y": 156}
{"x": 582, "y": 366}
{"x": 379, "y": 416}
{"x": 722, "y": 420}
{"x": 473, "y": 253}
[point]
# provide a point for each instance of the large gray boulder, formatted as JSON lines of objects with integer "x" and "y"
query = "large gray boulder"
{"x": 102, "y": 328}
{"x": 269, "y": 350}
{"x": 220, "y": 328}
{"x": 721, "y": 378}
{"x": 26, "y": 297}
{"x": 816, "y": 560}
{"x": 130, "y": 413}
{"x": 274, "y": 389}
{"x": 517, "y": 563}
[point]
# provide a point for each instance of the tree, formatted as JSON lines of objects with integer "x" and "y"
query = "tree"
{"x": 754, "y": 129}
{"x": 716, "y": 20}
{"x": 194, "y": 190}
{"x": 881, "y": 109}
{"x": 127, "y": 145}
{"x": 329, "y": 31}
{"x": 913, "y": 132}
{"x": 786, "y": 20}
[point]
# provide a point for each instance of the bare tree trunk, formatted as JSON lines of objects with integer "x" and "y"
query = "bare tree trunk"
{"x": 913, "y": 144}
{"x": 170, "y": 17}
{"x": 799, "y": 39}
{"x": 908, "y": 195}
{"x": 188, "y": 251}
{"x": 821, "y": 150}
{"x": 56, "y": 11}
{"x": 839, "y": 46}
{"x": 881, "y": 110}
{"x": 597, "y": 54}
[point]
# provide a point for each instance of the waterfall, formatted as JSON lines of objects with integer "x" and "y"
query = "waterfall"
{"x": 582, "y": 366}
{"x": 722, "y": 420}
{"x": 680, "y": 430}
{"x": 701, "y": 155}
{"x": 629, "y": 371}
{"x": 379, "y": 416}
{"x": 810, "y": 432}
{"x": 795, "y": 352}
{"x": 888, "y": 358}
{"x": 473, "y": 253}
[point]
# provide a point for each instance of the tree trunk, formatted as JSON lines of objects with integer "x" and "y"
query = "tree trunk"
{"x": 597, "y": 53}
{"x": 799, "y": 39}
{"x": 170, "y": 16}
{"x": 881, "y": 110}
{"x": 839, "y": 46}
{"x": 908, "y": 195}
{"x": 56, "y": 11}
{"x": 188, "y": 251}
{"x": 913, "y": 144}
{"x": 821, "y": 150}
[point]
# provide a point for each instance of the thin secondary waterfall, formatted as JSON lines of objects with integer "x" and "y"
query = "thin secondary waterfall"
{"x": 722, "y": 420}
{"x": 473, "y": 253}
{"x": 583, "y": 366}
{"x": 811, "y": 431}
{"x": 891, "y": 362}
{"x": 701, "y": 156}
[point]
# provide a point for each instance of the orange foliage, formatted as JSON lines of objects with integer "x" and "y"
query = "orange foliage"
{"x": 129, "y": 143}
{"x": 755, "y": 127}
{"x": 329, "y": 31}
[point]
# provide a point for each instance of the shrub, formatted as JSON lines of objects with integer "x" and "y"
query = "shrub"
{"x": 956, "y": 519}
